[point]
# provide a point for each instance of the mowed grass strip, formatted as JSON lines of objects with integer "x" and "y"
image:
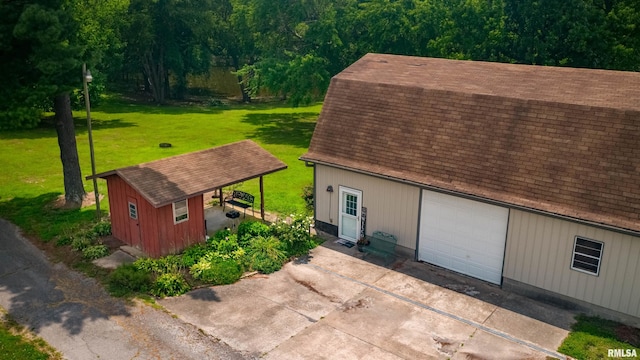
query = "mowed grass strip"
{"x": 591, "y": 338}
{"x": 128, "y": 133}
{"x": 18, "y": 343}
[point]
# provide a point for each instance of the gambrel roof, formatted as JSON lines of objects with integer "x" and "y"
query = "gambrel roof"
{"x": 165, "y": 181}
{"x": 564, "y": 141}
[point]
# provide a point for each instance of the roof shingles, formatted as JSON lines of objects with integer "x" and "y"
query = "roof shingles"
{"x": 164, "y": 181}
{"x": 559, "y": 140}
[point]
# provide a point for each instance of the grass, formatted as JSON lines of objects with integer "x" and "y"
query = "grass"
{"x": 592, "y": 337}
{"x": 18, "y": 343}
{"x": 127, "y": 133}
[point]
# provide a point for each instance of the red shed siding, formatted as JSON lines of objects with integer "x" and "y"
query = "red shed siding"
{"x": 158, "y": 234}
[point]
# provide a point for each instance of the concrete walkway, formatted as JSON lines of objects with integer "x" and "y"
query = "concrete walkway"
{"x": 337, "y": 306}
{"x": 75, "y": 315}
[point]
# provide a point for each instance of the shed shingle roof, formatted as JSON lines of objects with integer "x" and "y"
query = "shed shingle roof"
{"x": 164, "y": 181}
{"x": 558, "y": 140}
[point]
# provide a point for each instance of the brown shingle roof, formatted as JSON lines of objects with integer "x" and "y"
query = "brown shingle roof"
{"x": 164, "y": 181}
{"x": 559, "y": 140}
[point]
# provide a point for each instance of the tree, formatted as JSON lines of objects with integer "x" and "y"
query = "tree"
{"x": 298, "y": 43}
{"x": 166, "y": 36}
{"x": 46, "y": 67}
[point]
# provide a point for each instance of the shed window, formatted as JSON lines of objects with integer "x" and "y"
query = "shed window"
{"x": 133, "y": 211}
{"x": 180, "y": 211}
{"x": 587, "y": 255}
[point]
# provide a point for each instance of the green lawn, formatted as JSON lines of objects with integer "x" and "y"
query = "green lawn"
{"x": 126, "y": 134}
{"x": 18, "y": 343}
{"x": 593, "y": 337}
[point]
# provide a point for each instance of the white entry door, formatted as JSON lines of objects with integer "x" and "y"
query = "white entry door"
{"x": 463, "y": 235}
{"x": 349, "y": 217}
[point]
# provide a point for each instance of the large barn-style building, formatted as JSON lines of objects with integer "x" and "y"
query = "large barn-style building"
{"x": 527, "y": 177}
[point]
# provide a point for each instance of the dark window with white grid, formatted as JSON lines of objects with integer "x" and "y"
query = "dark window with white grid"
{"x": 587, "y": 255}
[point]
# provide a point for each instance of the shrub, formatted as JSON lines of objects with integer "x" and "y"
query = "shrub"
{"x": 250, "y": 229}
{"x": 64, "y": 240}
{"x": 168, "y": 264}
{"x": 103, "y": 228}
{"x": 170, "y": 284}
{"x": 265, "y": 254}
{"x": 307, "y": 196}
{"x": 227, "y": 247}
{"x": 145, "y": 264}
{"x": 128, "y": 279}
{"x": 220, "y": 235}
{"x": 192, "y": 254}
{"x": 79, "y": 243}
{"x": 95, "y": 252}
{"x": 295, "y": 236}
{"x": 216, "y": 271}
{"x": 163, "y": 265}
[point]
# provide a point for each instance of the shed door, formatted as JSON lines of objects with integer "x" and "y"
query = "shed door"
{"x": 463, "y": 235}
{"x": 134, "y": 222}
{"x": 349, "y": 217}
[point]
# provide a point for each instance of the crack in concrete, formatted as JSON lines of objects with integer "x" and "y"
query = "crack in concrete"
{"x": 472, "y": 323}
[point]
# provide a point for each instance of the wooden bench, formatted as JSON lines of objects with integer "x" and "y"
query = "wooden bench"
{"x": 381, "y": 244}
{"x": 240, "y": 199}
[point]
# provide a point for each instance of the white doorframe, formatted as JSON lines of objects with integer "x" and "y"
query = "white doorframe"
{"x": 349, "y": 214}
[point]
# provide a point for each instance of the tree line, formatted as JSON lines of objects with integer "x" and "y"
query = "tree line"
{"x": 287, "y": 48}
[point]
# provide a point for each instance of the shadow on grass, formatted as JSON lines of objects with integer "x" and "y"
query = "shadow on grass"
{"x": 290, "y": 129}
{"x": 120, "y": 106}
{"x": 36, "y": 292}
{"x": 47, "y": 129}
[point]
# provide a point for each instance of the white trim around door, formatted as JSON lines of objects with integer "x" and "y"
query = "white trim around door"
{"x": 349, "y": 214}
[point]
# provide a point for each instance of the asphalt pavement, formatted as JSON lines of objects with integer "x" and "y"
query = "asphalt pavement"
{"x": 76, "y": 316}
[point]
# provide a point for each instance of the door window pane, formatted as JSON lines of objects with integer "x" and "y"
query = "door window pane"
{"x": 351, "y": 205}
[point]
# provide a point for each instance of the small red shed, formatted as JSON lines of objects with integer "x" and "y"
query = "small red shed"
{"x": 158, "y": 207}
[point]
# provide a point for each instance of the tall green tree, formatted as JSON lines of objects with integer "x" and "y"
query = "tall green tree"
{"x": 43, "y": 44}
{"x": 169, "y": 37}
{"x": 46, "y": 66}
{"x": 297, "y": 41}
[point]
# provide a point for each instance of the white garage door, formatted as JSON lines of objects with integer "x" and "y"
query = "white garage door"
{"x": 463, "y": 235}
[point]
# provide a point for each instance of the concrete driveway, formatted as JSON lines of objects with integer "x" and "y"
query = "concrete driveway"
{"x": 337, "y": 306}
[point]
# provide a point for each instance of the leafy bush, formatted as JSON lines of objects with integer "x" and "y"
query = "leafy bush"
{"x": 220, "y": 235}
{"x": 265, "y": 254}
{"x": 170, "y": 284}
{"x": 127, "y": 279}
{"x": 295, "y": 236}
{"x": 216, "y": 270}
{"x": 103, "y": 228}
{"x": 80, "y": 243}
{"x": 95, "y": 252}
{"x": 163, "y": 265}
{"x": 192, "y": 254}
{"x": 145, "y": 264}
{"x": 64, "y": 240}
{"x": 307, "y": 196}
{"x": 250, "y": 229}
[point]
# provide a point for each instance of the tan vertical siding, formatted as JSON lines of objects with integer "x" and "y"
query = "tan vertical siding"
{"x": 539, "y": 253}
{"x": 391, "y": 206}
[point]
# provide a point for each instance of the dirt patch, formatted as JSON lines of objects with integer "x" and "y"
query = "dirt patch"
{"x": 628, "y": 334}
{"x": 445, "y": 346}
{"x": 311, "y": 288}
{"x": 358, "y": 304}
{"x": 61, "y": 203}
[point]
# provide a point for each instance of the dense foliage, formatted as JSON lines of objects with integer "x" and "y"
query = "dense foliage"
{"x": 221, "y": 260}
{"x": 290, "y": 48}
